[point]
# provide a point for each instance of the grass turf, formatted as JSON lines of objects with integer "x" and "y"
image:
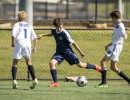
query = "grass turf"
{"x": 117, "y": 90}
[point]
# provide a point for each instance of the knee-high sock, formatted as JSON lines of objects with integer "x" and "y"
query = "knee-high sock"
{"x": 104, "y": 72}
{"x": 120, "y": 73}
{"x": 90, "y": 66}
{"x": 54, "y": 75}
{"x": 32, "y": 72}
{"x": 14, "y": 72}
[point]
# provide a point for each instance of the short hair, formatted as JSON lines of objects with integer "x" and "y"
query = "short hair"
{"x": 57, "y": 22}
{"x": 22, "y": 16}
{"x": 116, "y": 14}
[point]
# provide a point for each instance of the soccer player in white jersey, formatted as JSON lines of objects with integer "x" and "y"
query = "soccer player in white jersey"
{"x": 64, "y": 51}
{"x": 22, "y": 34}
{"x": 114, "y": 48}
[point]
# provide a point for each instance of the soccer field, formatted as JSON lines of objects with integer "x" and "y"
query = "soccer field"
{"x": 118, "y": 90}
{"x": 92, "y": 43}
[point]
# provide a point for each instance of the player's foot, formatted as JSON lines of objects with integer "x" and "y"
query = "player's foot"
{"x": 15, "y": 84}
{"x": 102, "y": 86}
{"x": 54, "y": 84}
{"x": 34, "y": 84}
{"x": 98, "y": 68}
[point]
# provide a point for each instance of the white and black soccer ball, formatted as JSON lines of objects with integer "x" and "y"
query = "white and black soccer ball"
{"x": 81, "y": 81}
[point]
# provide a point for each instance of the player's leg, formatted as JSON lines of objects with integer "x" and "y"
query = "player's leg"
{"x": 118, "y": 71}
{"x": 89, "y": 66}
{"x": 104, "y": 72}
{"x": 14, "y": 72}
{"x": 53, "y": 72}
{"x": 32, "y": 72}
{"x": 71, "y": 58}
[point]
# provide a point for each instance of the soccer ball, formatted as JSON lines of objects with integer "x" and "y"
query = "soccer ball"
{"x": 81, "y": 81}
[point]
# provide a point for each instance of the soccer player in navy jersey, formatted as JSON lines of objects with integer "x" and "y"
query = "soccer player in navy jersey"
{"x": 64, "y": 51}
{"x": 114, "y": 48}
{"x": 21, "y": 36}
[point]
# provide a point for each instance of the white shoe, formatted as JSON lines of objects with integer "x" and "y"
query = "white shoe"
{"x": 34, "y": 84}
{"x": 15, "y": 84}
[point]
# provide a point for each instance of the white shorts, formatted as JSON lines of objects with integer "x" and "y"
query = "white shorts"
{"x": 22, "y": 49}
{"x": 114, "y": 52}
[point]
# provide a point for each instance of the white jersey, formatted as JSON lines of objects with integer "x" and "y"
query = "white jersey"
{"x": 118, "y": 34}
{"x": 117, "y": 42}
{"x": 23, "y": 33}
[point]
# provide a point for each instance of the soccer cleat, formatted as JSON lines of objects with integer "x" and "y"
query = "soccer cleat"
{"x": 54, "y": 84}
{"x": 98, "y": 68}
{"x": 34, "y": 84}
{"x": 15, "y": 84}
{"x": 102, "y": 86}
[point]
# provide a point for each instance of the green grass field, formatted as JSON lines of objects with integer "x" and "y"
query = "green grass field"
{"x": 118, "y": 90}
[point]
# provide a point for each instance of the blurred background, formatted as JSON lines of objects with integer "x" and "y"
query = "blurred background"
{"x": 66, "y": 9}
{"x": 75, "y": 13}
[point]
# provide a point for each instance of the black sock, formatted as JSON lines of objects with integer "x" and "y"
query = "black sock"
{"x": 120, "y": 73}
{"x": 104, "y": 72}
{"x": 54, "y": 75}
{"x": 90, "y": 66}
{"x": 14, "y": 72}
{"x": 32, "y": 72}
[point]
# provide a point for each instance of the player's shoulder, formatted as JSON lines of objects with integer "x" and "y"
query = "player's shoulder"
{"x": 119, "y": 25}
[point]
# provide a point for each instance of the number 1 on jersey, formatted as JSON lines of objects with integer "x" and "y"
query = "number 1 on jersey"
{"x": 25, "y": 33}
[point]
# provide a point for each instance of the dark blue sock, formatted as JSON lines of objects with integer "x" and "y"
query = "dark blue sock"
{"x": 54, "y": 75}
{"x": 90, "y": 66}
{"x": 14, "y": 71}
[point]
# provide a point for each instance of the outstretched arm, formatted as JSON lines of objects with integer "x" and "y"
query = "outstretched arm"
{"x": 40, "y": 36}
{"x": 78, "y": 49}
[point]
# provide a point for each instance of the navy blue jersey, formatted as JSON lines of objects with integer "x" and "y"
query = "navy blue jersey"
{"x": 63, "y": 40}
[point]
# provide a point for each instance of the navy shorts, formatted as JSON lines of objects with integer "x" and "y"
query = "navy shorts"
{"x": 70, "y": 57}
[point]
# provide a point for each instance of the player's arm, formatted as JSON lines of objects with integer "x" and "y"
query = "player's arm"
{"x": 42, "y": 35}
{"x": 125, "y": 37}
{"x": 107, "y": 46}
{"x": 12, "y": 43}
{"x": 34, "y": 45}
{"x": 78, "y": 49}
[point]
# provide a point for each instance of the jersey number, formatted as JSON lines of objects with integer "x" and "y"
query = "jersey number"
{"x": 25, "y": 33}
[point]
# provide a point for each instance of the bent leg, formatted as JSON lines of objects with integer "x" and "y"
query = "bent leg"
{"x": 89, "y": 66}
{"x": 118, "y": 71}
{"x": 30, "y": 68}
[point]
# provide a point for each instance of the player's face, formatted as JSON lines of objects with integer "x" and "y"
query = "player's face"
{"x": 59, "y": 28}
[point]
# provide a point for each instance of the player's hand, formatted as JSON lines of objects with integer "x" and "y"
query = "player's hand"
{"x": 39, "y": 36}
{"x": 33, "y": 50}
{"x": 82, "y": 55}
{"x": 106, "y": 47}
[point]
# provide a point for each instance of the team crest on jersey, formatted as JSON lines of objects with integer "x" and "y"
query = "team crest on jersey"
{"x": 60, "y": 38}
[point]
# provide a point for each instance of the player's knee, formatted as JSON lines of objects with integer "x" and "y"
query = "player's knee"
{"x": 80, "y": 65}
{"x": 52, "y": 64}
{"x": 113, "y": 69}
